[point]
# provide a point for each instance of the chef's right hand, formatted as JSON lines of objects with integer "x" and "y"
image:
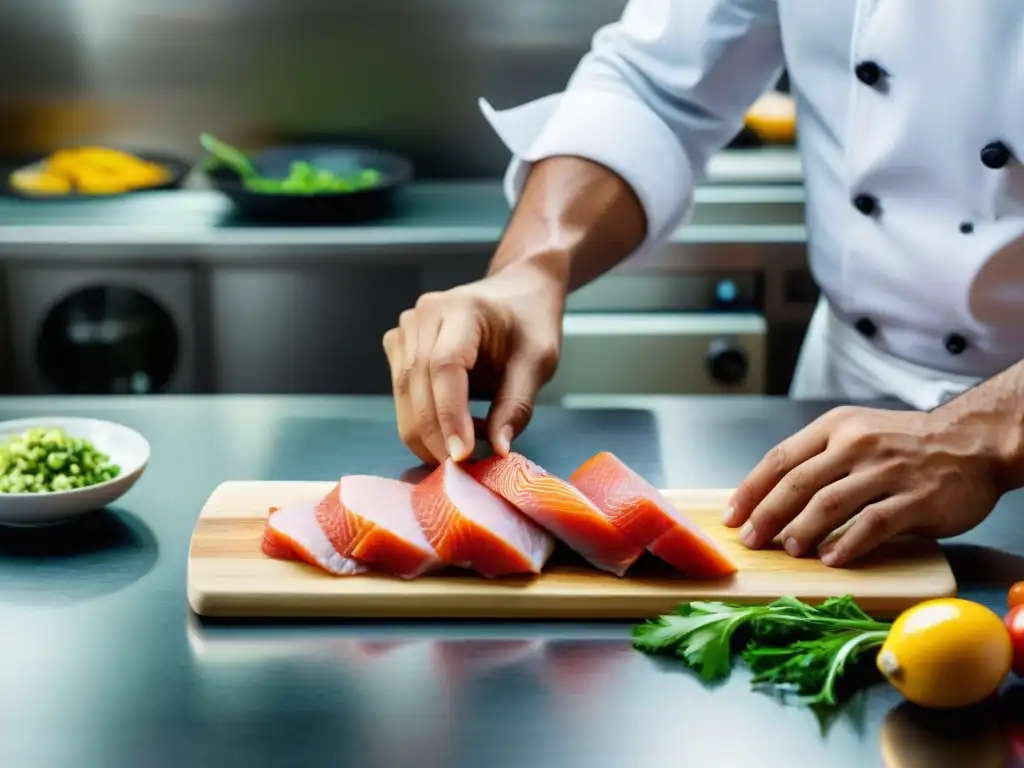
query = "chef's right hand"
{"x": 502, "y": 333}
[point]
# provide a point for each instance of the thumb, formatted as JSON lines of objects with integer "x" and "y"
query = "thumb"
{"x": 513, "y": 404}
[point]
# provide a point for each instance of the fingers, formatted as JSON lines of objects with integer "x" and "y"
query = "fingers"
{"x": 790, "y": 496}
{"x": 453, "y": 356}
{"x": 430, "y": 354}
{"x": 421, "y": 389}
{"x": 770, "y": 471}
{"x": 830, "y": 508}
{"x": 394, "y": 348}
{"x": 876, "y": 524}
{"x": 513, "y": 405}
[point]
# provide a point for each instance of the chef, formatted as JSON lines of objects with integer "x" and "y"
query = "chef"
{"x": 911, "y": 133}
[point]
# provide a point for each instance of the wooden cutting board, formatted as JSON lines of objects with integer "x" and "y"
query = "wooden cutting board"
{"x": 229, "y": 576}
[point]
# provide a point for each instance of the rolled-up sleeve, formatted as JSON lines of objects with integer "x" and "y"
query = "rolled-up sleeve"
{"x": 659, "y": 92}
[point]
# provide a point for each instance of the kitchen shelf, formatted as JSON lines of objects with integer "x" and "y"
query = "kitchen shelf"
{"x": 730, "y": 227}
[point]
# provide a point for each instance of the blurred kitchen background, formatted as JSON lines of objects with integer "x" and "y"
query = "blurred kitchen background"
{"x": 171, "y": 291}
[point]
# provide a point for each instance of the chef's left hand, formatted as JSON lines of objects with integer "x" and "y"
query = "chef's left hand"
{"x": 903, "y": 472}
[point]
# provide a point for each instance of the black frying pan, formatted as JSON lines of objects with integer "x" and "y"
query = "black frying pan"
{"x": 321, "y": 207}
{"x": 177, "y": 169}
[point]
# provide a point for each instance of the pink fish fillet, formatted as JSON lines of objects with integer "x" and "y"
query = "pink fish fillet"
{"x": 273, "y": 545}
{"x": 560, "y": 508}
{"x": 471, "y": 527}
{"x": 371, "y": 519}
{"x": 297, "y": 527}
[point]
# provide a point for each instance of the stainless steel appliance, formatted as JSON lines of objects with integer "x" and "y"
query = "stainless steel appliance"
{"x": 676, "y": 332}
{"x": 661, "y": 354}
{"x": 90, "y": 329}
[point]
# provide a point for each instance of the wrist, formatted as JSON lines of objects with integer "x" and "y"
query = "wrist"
{"x": 993, "y": 438}
{"x": 1008, "y": 441}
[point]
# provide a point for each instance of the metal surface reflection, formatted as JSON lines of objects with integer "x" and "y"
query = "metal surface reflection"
{"x": 84, "y": 559}
{"x": 422, "y": 700}
{"x": 912, "y": 737}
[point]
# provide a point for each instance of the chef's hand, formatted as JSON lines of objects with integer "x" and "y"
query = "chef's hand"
{"x": 903, "y": 472}
{"x": 503, "y": 332}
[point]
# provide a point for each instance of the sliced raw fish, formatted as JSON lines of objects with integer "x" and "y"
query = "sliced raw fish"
{"x": 297, "y": 527}
{"x": 471, "y": 527}
{"x": 371, "y": 519}
{"x": 643, "y": 513}
{"x": 273, "y": 545}
{"x": 558, "y": 507}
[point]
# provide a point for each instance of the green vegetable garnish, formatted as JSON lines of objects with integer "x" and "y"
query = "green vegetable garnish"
{"x": 47, "y": 459}
{"x": 306, "y": 179}
{"x": 796, "y": 648}
{"x": 303, "y": 177}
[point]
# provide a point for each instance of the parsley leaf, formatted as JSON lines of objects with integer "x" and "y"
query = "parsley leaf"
{"x": 790, "y": 645}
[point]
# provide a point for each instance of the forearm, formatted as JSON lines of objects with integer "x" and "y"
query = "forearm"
{"x": 990, "y": 420}
{"x": 575, "y": 220}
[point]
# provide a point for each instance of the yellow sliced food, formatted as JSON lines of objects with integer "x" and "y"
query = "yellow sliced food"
{"x": 76, "y": 157}
{"x": 946, "y": 653}
{"x": 93, "y": 182}
{"x": 773, "y": 118}
{"x": 32, "y": 181}
{"x": 89, "y": 170}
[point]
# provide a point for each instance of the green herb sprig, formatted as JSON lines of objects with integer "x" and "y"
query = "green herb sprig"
{"x": 796, "y": 648}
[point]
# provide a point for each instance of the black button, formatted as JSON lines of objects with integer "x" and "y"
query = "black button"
{"x": 966, "y": 228}
{"x": 868, "y": 72}
{"x": 955, "y": 344}
{"x": 866, "y": 204}
{"x": 995, "y": 155}
{"x": 866, "y": 328}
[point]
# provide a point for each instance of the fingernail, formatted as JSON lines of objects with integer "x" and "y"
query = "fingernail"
{"x": 456, "y": 449}
{"x": 504, "y": 440}
{"x": 729, "y": 516}
{"x": 747, "y": 534}
{"x": 791, "y": 546}
{"x": 830, "y": 558}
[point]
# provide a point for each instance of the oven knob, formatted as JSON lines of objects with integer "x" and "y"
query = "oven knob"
{"x": 726, "y": 362}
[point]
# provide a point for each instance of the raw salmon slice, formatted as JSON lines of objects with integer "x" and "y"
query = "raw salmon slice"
{"x": 296, "y": 527}
{"x": 558, "y": 507}
{"x": 643, "y": 513}
{"x": 471, "y": 527}
{"x": 273, "y": 545}
{"x": 371, "y": 519}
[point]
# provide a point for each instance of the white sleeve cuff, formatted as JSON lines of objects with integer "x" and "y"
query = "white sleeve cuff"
{"x": 614, "y": 130}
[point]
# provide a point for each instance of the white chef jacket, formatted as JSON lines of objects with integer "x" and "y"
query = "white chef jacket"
{"x": 911, "y": 133}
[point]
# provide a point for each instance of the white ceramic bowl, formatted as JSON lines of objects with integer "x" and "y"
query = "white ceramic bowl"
{"x": 126, "y": 448}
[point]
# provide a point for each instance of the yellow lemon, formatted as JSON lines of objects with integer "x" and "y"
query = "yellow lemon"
{"x": 946, "y": 653}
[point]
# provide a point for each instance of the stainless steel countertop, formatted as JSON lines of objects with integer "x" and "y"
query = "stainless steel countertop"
{"x": 104, "y": 667}
{"x": 738, "y": 213}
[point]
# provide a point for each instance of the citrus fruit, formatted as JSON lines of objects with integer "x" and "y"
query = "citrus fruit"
{"x": 946, "y": 653}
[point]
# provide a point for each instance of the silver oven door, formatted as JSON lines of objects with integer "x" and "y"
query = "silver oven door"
{"x": 661, "y": 353}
